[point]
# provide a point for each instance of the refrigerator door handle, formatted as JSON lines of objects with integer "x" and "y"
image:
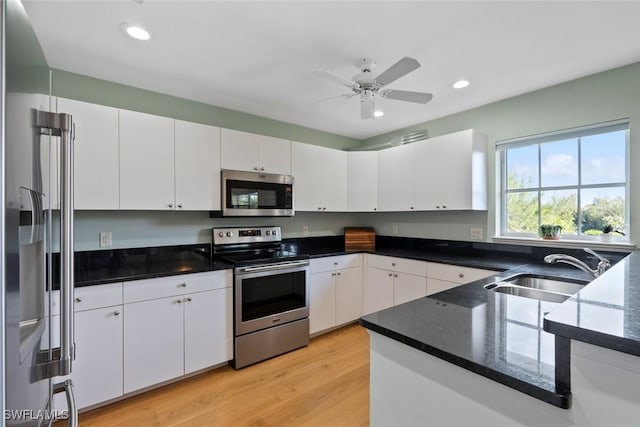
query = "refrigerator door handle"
{"x": 67, "y": 387}
{"x": 60, "y": 360}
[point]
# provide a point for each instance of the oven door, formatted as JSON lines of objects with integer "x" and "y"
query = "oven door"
{"x": 256, "y": 194}
{"x": 271, "y": 295}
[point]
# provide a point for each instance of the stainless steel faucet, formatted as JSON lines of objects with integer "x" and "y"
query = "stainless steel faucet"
{"x": 602, "y": 266}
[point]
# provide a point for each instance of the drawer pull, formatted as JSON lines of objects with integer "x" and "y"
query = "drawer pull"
{"x": 335, "y": 263}
{"x": 182, "y": 285}
{"x": 339, "y": 274}
{"x": 390, "y": 274}
{"x": 393, "y": 264}
{"x": 189, "y": 299}
{"x": 116, "y": 313}
{"x": 78, "y": 299}
{"x": 461, "y": 275}
{"x": 178, "y": 301}
{"x": 395, "y": 275}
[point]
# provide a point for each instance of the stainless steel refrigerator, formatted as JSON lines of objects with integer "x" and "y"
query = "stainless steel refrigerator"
{"x": 36, "y": 231}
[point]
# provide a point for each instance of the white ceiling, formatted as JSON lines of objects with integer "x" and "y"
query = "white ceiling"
{"x": 258, "y": 57}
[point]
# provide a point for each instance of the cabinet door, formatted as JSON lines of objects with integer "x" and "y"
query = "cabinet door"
{"x": 96, "y": 162}
{"x": 408, "y": 287}
{"x": 362, "y": 181}
{"x": 275, "y": 155}
{"x": 320, "y": 175}
{"x": 396, "y": 179}
{"x": 348, "y": 295}
{"x": 146, "y": 161}
{"x": 239, "y": 150}
{"x": 378, "y": 290}
{"x": 97, "y": 370}
{"x": 322, "y": 301}
{"x": 456, "y": 154}
{"x": 153, "y": 342}
{"x": 207, "y": 329}
{"x": 197, "y": 163}
{"x": 428, "y": 178}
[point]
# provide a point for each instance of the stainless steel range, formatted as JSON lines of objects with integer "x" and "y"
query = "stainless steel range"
{"x": 271, "y": 292}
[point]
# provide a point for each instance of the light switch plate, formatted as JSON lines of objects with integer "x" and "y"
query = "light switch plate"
{"x": 104, "y": 239}
{"x": 476, "y": 233}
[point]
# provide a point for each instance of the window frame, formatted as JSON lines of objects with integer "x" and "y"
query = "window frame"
{"x": 580, "y": 132}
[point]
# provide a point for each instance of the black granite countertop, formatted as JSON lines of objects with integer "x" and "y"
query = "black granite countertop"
{"x": 496, "y": 335}
{"x": 605, "y": 313}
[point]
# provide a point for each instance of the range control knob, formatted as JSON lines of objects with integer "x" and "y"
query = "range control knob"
{"x": 274, "y": 232}
{"x": 229, "y": 234}
{"x": 221, "y": 234}
{"x": 268, "y": 233}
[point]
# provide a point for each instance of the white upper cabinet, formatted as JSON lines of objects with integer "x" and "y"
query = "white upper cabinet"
{"x": 451, "y": 172}
{"x": 362, "y": 181}
{"x": 146, "y": 161}
{"x": 252, "y": 152}
{"x": 396, "y": 178}
{"x": 197, "y": 166}
{"x": 320, "y": 178}
{"x": 96, "y": 162}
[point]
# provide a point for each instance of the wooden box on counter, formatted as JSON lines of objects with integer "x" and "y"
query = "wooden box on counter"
{"x": 359, "y": 239}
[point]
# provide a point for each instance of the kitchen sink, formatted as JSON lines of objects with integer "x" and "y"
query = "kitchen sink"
{"x": 537, "y": 287}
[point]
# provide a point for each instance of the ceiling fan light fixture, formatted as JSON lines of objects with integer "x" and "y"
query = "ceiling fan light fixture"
{"x": 136, "y": 32}
{"x": 460, "y": 84}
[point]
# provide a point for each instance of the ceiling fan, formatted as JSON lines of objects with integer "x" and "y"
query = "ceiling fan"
{"x": 368, "y": 86}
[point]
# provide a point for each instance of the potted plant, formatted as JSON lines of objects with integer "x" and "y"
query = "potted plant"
{"x": 550, "y": 231}
{"x": 607, "y": 233}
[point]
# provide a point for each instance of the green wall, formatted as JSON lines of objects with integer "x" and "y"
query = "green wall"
{"x": 89, "y": 89}
{"x": 601, "y": 97}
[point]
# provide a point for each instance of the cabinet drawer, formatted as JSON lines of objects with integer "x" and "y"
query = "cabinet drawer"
{"x": 90, "y": 297}
{"x": 141, "y": 290}
{"x": 329, "y": 263}
{"x": 456, "y": 274}
{"x": 402, "y": 265}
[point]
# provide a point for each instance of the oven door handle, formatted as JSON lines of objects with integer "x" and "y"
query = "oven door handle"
{"x": 274, "y": 267}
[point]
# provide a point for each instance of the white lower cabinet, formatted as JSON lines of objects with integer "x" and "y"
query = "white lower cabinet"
{"x": 441, "y": 277}
{"x": 335, "y": 291}
{"x": 176, "y": 325}
{"x": 391, "y": 281}
{"x": 153, "y": 342}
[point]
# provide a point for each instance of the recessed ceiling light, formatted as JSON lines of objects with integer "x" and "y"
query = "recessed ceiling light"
{"x": 460, "y": 84}
{"x": 136, "y": 32}
{"x": 378, "y": 113}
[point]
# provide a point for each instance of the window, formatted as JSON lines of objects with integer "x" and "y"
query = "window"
{"x": 576, "y": 179}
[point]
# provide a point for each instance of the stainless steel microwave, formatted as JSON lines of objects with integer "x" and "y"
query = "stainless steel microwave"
{"x": 256, "y": 194}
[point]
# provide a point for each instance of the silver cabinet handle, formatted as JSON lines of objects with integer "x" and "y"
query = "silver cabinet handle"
{"x": 178, "y": 301}
{"x": 393, "y": 264}
{"x": 339, "y": 274}
{"x": 180, "y": 205}
{"x": 411, "y": 207}
{"x": 67, "y": 388}
{"x": 182, "y": 285}
{"x": 461, "y": 275}
{"x": 335, "y": 263}
{"x": 78, "y": 299}
{"x": 395, "y": 275}
{"x": 170, "y": 205}
{"x": 189, "y": 299}
{"x": 390, "y": 274}
{"x": 255, "y": 168}
{"x": 333, "y": 274}
{"x": 444, "y": 206}
{"x": 116, "y": 313}
{"x": 437, "y": 207}
{"x": 262, "y": 168}
{"x": 319, "y": 208}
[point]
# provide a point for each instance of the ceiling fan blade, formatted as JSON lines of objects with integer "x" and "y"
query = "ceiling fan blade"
{"x": 366, "y": 107}
{"x": 397, "y": 70}
{"x": 406, "y": 95}
{"x": 344, "y": 96}
{"x": 336, "y": 78}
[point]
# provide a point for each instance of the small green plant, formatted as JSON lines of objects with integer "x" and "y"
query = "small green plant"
{"x": 607, "y": 229}
{"x": 550, "y": 231}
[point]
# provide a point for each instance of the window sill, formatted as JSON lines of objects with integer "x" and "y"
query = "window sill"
{"x": 566, "y": 243}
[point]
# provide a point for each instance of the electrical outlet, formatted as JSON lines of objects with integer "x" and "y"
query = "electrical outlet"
{"x": 394, "y": 229}
{"x": 476, "y": 233}
{"x": 104, "y": 239}
{"x": 305, "y": 230}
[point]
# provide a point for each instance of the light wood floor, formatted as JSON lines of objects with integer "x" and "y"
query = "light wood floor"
{"x": 324, "y": 384}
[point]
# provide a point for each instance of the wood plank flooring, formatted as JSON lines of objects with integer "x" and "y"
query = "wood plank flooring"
{"x": 324, "y": 384}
